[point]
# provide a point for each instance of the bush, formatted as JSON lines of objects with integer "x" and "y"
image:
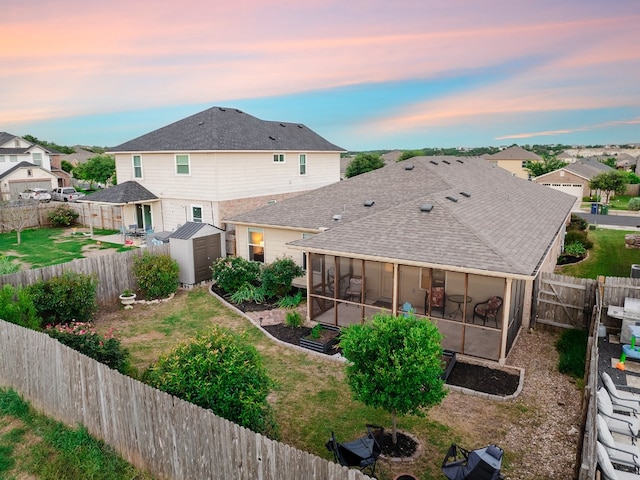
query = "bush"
{"x": 580, "y": 236}
{"x": 290, "y": 301}
{"x": 16, "y": 306}
{"x": 247, "y": 293}
{"x": 219, "y": 371}
{"x": 577, "y": 223}
{"x": 576, "y": 249}
{"x": 7, "y": 266}
{"x": 634, "y": 204}
{"x": 156, "y": 275}
{"x": 82, "y": 338}
{"x": 278, "y": 275}
{"x": 231, "y": 273}
{"x": 293, "y": 319}
{"x": 70, "y": 297}
{"x": 572, "y": 347}
{"x": 62, "y": 216}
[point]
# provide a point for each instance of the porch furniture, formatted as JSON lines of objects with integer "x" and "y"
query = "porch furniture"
{"x": 331, "y": 283}
{"x": 354, "y": 290}
{"x": 618, "y": 423}
{"x": 488, "y": 310}
{"x": 436, "y": 299}
{"x": 622, "y": 401}
{"x": 459, "y": 300}
{"x": 480, "y": 464}
{"x": 619, "y": 452}
{"x": 362, "y": 453}
{"x": 607, "y": 470}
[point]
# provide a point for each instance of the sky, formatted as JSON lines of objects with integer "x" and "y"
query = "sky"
{"x": 364, "y": 74}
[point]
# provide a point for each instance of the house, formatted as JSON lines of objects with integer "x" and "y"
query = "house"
{"x": 23, "y": 175}
{"x": 443, "y": 234}
{"x": 14, "y": 150}
{"x": 514, "y": 159}
{"x": 221, "y": 162}
{"x": 574, "y": 178}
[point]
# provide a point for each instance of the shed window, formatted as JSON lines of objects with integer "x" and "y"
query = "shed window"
{"x": 256, "y": 244}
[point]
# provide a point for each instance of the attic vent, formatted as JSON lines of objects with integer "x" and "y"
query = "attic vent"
{"x": 200, "y": 123}
{"x": 408, "y": 167}
{"x": 282, "y": 125}
{"x": 433, "y": 161}
{"x": 239, "y": 111}
{"x": 452, "y": 198}
{"x": 369, "y": 203}
{"x": 427, "y": 207}
{"x": 272, "y": 138}
{"x": 272, "y": 202}
{"x": 459, "y": 161}
{"x": 337, "y": 218}
{"x": 222, "y": 109}
{"x": 446, "y": 161}
{"x": 465, "y": 194}
{"x": 300, "y": 126}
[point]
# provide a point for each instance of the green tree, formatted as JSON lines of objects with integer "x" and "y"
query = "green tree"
{"x": 99, "y": 169}
{"x": 407, "y": 154}
{"x": 363, "y": 163}
{"x": 49, "y": 145}
{"x": 609, "y": 182}
{"x": 395, "y": 363}
{"x": 220, "y": 371}
{"x": 548, "y": 164}
{"x": 66, "y": 166}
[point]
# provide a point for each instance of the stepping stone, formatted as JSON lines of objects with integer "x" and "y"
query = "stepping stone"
{"x": 633, "y": 381}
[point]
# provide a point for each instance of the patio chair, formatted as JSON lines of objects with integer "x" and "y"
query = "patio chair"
{"x": 362, "y": 453}
{"x": 354, "y": 290}
{"x": 436, "y": 299}
{"x": 622, "y": 401}
{"x": 480, "y": 464}
{"x": 618, "y": 423}
{"x": 606, "y": 467}
{"x": 488, "y": 310}
{"x": 619, "y": 452}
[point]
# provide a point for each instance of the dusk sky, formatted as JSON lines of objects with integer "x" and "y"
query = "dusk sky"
{"x": 364, "y": 74}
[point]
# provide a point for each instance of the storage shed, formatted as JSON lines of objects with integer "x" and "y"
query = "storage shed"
{"x": 195, "y": 246}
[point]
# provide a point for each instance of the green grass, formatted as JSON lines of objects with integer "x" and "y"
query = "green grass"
{"x": 572, "y": 349}
{"x": 41, "y": 247}
{"x": 620, "y": 202}
{"x": 33, "y": 446}
{"x": 609, "y": 256}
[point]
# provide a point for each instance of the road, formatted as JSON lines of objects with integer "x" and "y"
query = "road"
{"x": 631, "y": 220}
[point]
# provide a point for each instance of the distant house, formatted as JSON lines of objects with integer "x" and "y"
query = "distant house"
{"x": 514, "y": 160}
{"x": 24, "y": 175}
{"x": 14, "y": 150}
{"x": 446, "y": 236}
{"x": 220, "y": 162}
{"x": 574, "y": 178}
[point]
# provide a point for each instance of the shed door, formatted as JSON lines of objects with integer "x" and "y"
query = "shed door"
{"x": 205, "y": 251}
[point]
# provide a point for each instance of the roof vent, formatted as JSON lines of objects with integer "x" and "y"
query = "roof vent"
{"x": 272, "y": 202}
{"x": 433, "y": 161}
{"x": 427, "y": 207}
{"x": 222, "y": 109}
{"x": 452, "y": 198}
{"x": 408, "y": 167}
{"x": 272, "y": 138}
{"x": 459, "y": 161}
{"x": 369, "y": 203}
{"x": 200, "y": 123}
{"x": 337, "y": 218}
{"x": 300, "y": 126}
{"x": 465, "y": 194}
{"x": 446, "y": 161}
{"x": 239, "y": 111}
{"x": 282, "y": 125}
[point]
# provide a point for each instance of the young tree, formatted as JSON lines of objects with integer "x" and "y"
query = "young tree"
{"x": 609, "y": 182}
{"x": 548, "y": 164}
{"x": 18, "y": 215}
{"x": 395, "y": 363}
{"x": 99, "y": 169}
{"x": 363, "y": 163}
{"x": 407, "y": 154}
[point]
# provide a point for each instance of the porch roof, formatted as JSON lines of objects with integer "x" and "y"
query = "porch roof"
{"x": 121, "y": 194}
{"x": 481, "y": 218}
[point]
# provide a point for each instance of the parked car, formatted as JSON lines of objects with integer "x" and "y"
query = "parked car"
{"x": 40, "y": 194}
{"x": 66, "y": 194}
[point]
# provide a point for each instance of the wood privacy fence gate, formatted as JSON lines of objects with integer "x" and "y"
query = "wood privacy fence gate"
{"x": 152, "y": 430}
{"x": 564, "y": 301}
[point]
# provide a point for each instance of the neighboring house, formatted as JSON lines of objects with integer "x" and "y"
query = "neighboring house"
{"x": 24, "y": 175}
{"x": 14, "y": 150}
{"x": 220, "y": 162}
{"x": 514, "y": 160}
{"x": 442, "y": 234}
{"x": 81, "y": 155}
{"x": 627, "y": 162}
{"x": 574, "y": 178}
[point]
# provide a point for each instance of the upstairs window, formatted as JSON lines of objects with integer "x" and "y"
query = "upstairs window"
{"x": 13, "y": 158}
{"x": 182, "y": 164}
{"x": 137, "y": 166}
{"x": 36, "y": 159}
{"x": 303, "y": 164}
{"x": 2, "y": 159}
{"x": 278, "y": 158}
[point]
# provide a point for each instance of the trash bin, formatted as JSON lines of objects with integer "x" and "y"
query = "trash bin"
{"x": 594, "y": 208}
{"x": 604, "y": 209}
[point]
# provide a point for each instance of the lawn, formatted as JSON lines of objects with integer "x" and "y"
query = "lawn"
{"x": 41, "y": 247}
{"x": 608, "y": 257}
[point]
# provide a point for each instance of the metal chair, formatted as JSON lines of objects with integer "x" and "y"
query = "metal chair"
{"x": 354, "y": 290}
{"x": 488, "y": 310}
{"x": 436, "y": 299}
{"x": 480, "y": 464}
{"x": 362, "y": 453}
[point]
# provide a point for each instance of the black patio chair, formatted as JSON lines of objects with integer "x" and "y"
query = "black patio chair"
{"x": 362, "y": 453}
{"x": 480, "y": 464}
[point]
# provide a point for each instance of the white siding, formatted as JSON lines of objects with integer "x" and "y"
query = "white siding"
{"x": 275, "y": 241}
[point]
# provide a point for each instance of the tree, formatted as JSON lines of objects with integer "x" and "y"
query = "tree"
{"x": 363, "y": 163}
{"x": 99, "y": 169}
{"x": 395, "y": 363}
{"x": 609, "y": 182}
{"x": 18, "y": 215}
{"x": 548, "y": 164}
{"x": 66, "y": 166}
{"x": 407, "y": 154}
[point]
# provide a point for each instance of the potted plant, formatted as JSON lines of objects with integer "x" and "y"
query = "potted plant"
{"x": 127, "y": 297}
{"x": 322, "y": 338}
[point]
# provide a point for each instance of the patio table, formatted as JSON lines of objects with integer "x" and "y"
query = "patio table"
{"x": 459, "y": 300}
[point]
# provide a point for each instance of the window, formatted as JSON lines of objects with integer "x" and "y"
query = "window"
{"x": 256, "y": 244}
{"x": 182, "y": 164}
{"x": 196, "y": 213}
{"x": 304, "y": 254}
{"x": 13, "y": 158}
{"x": 29, "y": 173}
{"x": 2, "y": 159}
{"x": 525, "y": 163}
{"x": 37, "y": 159}
{"x": 137, "y": 166}
{"x": 303, "y": 164}
{"x": 278, "y": 158}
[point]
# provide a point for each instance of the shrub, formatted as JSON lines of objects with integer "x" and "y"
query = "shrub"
{"x": 293, "y": 319}
{"x": 573, "y": 236}
{"x": 83, "y": 338}
{"x": 278, "y": 275}
{"x": 231, "y": 273}
{"x": 70, "y": 297}
{"x": 577, "y": 223}
{"x": 16, "y": 306}
{"x": 248, "y": 293}
{"x": 7, "y": 266}
{"x": 572, "y": 347}
{"x": 62, "y": 216}
{"x": 290, "y": 301}
{"x": 576, "y": 249}
{"x": 156, "y": 275}
{"x": 219, "y": 371}
{"x": 634, "y": 204}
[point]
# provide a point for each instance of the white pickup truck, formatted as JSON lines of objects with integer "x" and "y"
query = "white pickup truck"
{"x": 65, "y": 194}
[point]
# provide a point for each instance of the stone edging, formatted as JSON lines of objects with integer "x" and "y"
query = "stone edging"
{"x": 507, "y": 368}
{"x": 416, "y": 454}
{"x": 150, "y": 302}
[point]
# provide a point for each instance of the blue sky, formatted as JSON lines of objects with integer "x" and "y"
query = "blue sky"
{"x": 364, "y": 74}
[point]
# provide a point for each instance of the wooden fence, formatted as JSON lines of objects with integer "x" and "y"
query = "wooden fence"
{"x": 114, "y": 272}
{"x": 564, "y": 301}
{"x": 150, "y": 429}
{"x": 107, "y": 217}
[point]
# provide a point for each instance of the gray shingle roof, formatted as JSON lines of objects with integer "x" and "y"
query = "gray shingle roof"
{"x": 120, "y": 194}
{"x": 224, "y": 129}
{"x": 587, "y": 168}
{"x": 22, "y": 164}
{"x": 505, "y": 225}
{"x": 514, "y": 153}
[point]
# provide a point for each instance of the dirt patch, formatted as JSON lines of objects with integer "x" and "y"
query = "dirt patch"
{"x": 96, "y": 250}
